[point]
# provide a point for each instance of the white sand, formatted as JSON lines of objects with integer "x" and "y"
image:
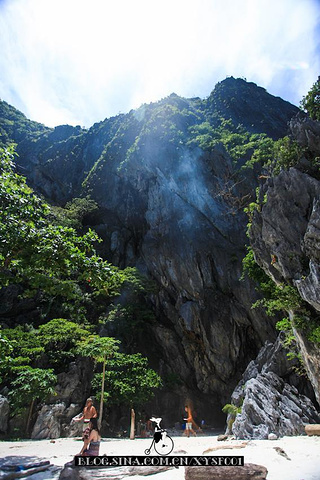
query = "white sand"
{"x": 303, "y": 451}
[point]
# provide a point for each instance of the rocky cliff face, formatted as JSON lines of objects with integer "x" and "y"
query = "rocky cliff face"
{"x": 268, "y": 397}
{"x": 285, "y": 236}
{"x": 174, "y": 210}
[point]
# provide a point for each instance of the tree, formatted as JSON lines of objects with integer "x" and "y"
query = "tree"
{"x": 60, "y": 339}
{"x": 49, "y": 261}
{"x": 74, "y": 212}
{"x": 311, "y": 102}
{"x": 99, "y": 349}
{"x": 129, "y": 380}
{"x": 26, "y": 346}
{"x": 31, "y": 384}
{"x": 5, "y": 352}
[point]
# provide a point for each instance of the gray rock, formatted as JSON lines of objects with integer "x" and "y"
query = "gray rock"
{"x": 307, "y": 133}
{"x": 249, "y": 471}
{"x": 4, "y": 414}
{"x": 74, "y": 384}
{"x": 288, "y": 230}
{"x": 55, "y": 421}
{"x": 272, "y": 406}
{"x": 48, "y": 423}
{"x": 269, "y": 404}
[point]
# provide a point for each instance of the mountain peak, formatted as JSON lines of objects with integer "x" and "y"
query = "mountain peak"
{"x": 252, "y": 106}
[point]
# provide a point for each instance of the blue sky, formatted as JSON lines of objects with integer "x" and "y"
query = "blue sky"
{"x": 80, "y": 61}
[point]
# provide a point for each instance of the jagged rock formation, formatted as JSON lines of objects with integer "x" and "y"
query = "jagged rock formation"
{"x": 54, "y": 421}
{"x": 289, "y": 222}
{"x": 174, "y": 210}
{"x": 273, "y": 406}
{"x": 285, "y": 234}
{"x": 269, "y": 404}
{"x": 73, "y": 388}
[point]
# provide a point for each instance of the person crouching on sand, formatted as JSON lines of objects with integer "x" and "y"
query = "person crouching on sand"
{"x": 91, "y": 445}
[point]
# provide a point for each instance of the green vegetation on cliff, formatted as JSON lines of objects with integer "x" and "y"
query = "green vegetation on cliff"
{"x": 58, "y": 271}
{"x": 276, "y": 157}
{"x": 311, "y": 102}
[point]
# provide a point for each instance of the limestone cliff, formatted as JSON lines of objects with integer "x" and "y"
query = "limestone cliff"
{"x": 174, "y": 209}
{"x": 285, "y": 237}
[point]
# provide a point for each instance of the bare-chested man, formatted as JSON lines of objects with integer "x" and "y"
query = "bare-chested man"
{"x": 89, "y": 412}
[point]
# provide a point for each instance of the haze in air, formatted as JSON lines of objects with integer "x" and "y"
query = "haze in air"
{"x": 78, "y": 62}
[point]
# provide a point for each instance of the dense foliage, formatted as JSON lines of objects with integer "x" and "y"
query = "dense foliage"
{"x": 49, "y": 261}
{"x": 129, "y": 380}
{"x": 311, "y": 102}
{"x": 44, "y": 257}
{"x": 14, "y": 125}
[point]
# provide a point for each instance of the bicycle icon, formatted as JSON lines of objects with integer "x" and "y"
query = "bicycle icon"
{"x": 162, "y": 442}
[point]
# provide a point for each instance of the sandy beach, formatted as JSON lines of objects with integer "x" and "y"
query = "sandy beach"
{"x": 302, "y": 460}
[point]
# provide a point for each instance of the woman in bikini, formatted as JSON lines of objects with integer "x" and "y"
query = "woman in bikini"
{"x": 91, "y": 444}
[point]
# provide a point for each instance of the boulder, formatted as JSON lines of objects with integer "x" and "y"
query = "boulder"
{"x": 312, "y": 429}
{"x": 246, "y": 472}
{"x": 55, "y": 421}
{"x": 48, "y": 423}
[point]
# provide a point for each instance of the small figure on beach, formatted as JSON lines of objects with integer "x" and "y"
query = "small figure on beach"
{"x": 89, "y": 412}
{"x": 91, "y": 445}
{"x": 187, "y": 417}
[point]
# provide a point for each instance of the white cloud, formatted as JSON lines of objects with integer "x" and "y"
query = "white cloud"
{"x": 75, "y": 61}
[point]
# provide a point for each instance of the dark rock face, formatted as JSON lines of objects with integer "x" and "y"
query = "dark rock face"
{"x": 189, "y": 239}
{"x": 287, "y": 228}
{"x": 270, "y": 405}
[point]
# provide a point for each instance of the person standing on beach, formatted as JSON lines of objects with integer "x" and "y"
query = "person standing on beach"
{"x": 89, "y": 412}
{"x": 189, "y": 421}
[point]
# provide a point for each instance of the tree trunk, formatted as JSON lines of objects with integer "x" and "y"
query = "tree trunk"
{"x": 29, "y": 416}
{"x": 102, "y": 392}
{"x": 132, "y": 432}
